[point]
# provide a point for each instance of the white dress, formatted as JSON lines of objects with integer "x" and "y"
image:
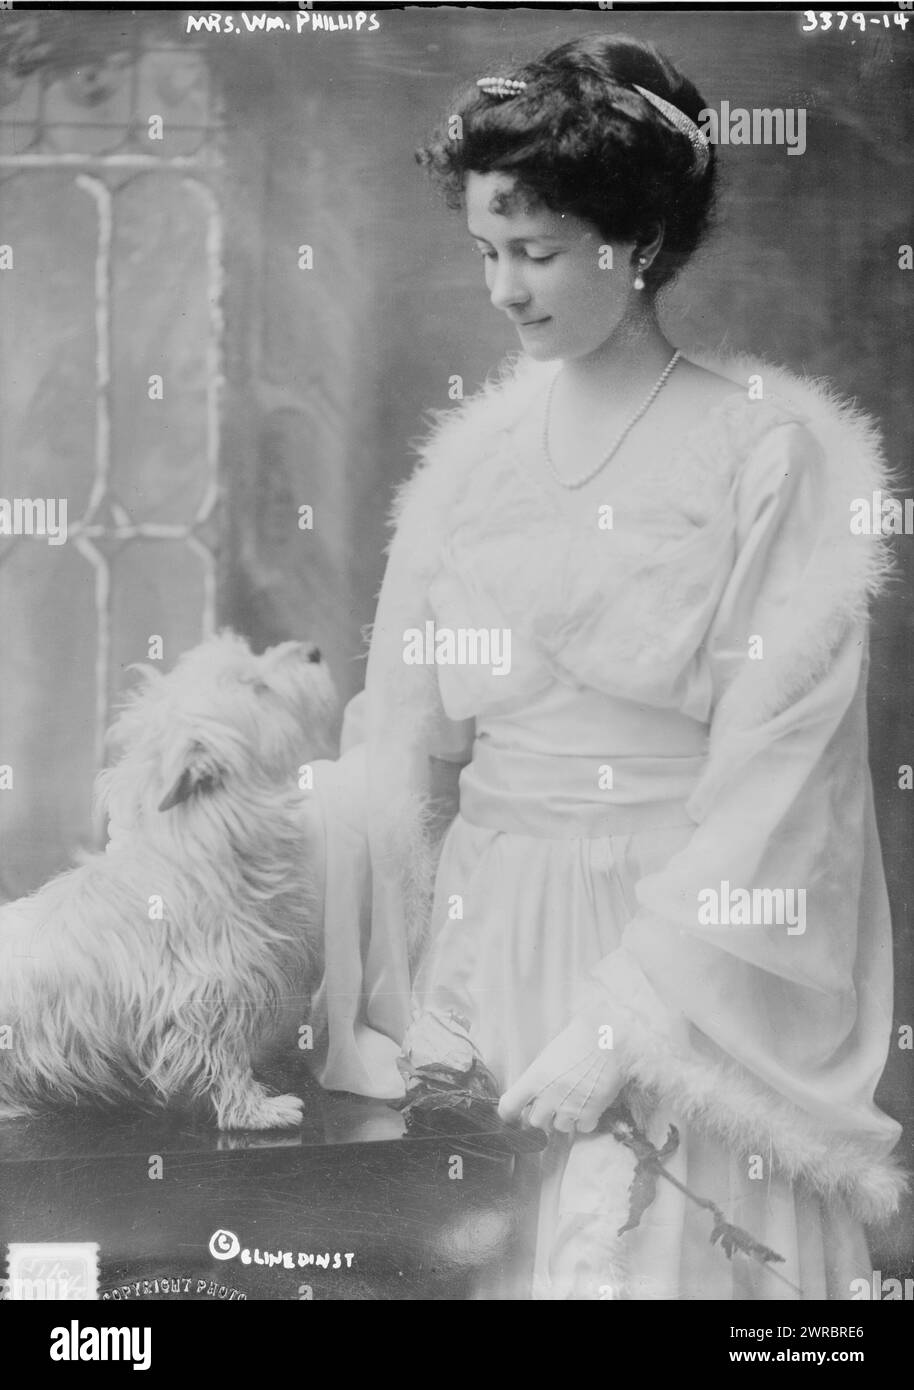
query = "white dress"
{"x": 685, "y": 711}
{"x": 580, "y": 765}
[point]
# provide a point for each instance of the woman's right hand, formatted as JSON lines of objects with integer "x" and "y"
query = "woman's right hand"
{"x": 572, "y": 1081}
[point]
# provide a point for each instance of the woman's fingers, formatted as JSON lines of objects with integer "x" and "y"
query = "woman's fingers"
{"x": 520, "y": 1094}
{"x": 560, "y": 1096}
{"x": 587, "y": 1124}
{"x": 565, "y": 1122}
{"x": 549, "y": 1104}
{"x": 578, "y": 1110}
{"x": 542, "y": 1112}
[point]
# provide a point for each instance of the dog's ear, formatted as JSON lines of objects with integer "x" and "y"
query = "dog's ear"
{"x": 198, "y": 774}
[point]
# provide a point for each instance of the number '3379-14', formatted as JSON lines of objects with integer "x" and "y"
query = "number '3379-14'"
{"x": 837, "y": 19}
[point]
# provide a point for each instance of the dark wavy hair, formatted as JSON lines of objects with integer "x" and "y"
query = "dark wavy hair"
{"x": 581, "y": 140}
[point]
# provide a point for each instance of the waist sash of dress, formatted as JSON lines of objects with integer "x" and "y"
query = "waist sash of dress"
{"x": 563, "y": 796}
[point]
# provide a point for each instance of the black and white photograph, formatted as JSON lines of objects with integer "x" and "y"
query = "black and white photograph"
{"x": 456, "y": 651}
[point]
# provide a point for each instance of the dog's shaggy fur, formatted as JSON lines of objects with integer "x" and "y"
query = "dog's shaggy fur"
{"x": 106, "y": 1002}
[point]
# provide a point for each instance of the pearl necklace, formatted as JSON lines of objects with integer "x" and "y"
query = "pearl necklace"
{"x": 642, "y": 409}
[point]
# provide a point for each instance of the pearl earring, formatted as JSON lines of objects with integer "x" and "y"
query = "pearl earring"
{"x": 638, "y": 282}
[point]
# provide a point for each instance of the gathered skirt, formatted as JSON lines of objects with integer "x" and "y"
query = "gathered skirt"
{"x": 518, "y": 921}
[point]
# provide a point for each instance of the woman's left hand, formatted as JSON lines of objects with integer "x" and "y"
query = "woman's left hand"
{"x": 571, "y": 1082}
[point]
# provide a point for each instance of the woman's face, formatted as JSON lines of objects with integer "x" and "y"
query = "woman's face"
{"x": 550, "y": 272}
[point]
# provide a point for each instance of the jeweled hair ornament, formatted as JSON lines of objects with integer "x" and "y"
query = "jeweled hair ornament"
{"x": 501, "y": 86}
{"x": 504, "y": 87}
{"x": 683, "y": 123}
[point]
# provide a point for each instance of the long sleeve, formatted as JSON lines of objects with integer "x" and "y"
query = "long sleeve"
{"x": 753, "y": 985}
{"x": 386, "y": 802}
{"x": 359, "y": 1010}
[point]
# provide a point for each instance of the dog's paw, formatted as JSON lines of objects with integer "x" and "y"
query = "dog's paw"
{"x": 260, "y": 1111}
{"x": 281, "y": 1112}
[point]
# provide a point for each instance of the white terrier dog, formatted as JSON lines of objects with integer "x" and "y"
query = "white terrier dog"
{"x": 161, "y": 968}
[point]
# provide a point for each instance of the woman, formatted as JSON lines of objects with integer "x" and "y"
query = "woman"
{"x": 638, "y": 850}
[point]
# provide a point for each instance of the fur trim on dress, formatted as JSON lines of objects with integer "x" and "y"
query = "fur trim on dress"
{"x": 845, "y": 571}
